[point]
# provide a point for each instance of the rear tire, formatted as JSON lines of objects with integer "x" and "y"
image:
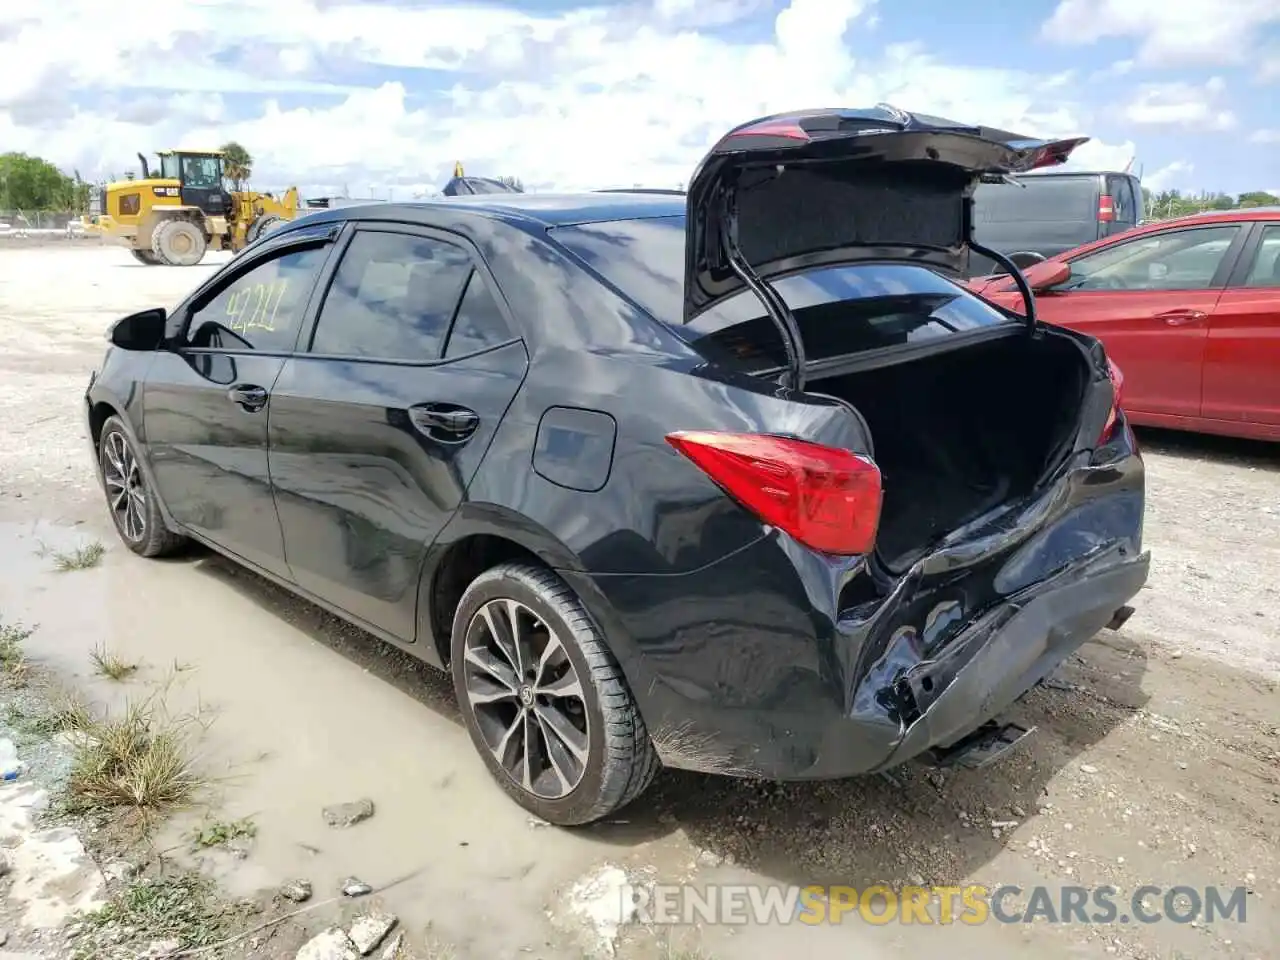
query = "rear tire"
{"x": 570, "y": 755}
{"x": 179, "y": 243}
{"x": 135, "y": 511}
{"x": 146, "y": 256}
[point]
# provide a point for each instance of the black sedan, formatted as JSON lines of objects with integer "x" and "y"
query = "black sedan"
{"x": 740, "y": 481}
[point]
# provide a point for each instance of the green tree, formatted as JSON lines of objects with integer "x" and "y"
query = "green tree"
{"x": 237, "y": 164}
{"x": 30, "y": 183}
{"x": 1258, "y": 198}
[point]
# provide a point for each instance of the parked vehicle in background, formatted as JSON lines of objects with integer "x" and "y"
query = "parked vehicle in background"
{"x": 711, "y": 480}
{"x": 1039, "y": 215}
{"x": 1188, "y": 308}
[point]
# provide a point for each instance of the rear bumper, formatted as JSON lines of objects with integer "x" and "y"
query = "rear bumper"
{"x": 782, "y": 664}
{"x": 1010, "y": 650}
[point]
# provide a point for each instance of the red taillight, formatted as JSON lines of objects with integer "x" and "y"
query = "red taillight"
{"x": 824, "y": 497}
{"x": 1117, "y": 391}
{"x": 1106, "y": 209}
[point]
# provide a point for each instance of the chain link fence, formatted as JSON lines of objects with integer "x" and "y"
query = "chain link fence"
{"x": 40, "y": 223}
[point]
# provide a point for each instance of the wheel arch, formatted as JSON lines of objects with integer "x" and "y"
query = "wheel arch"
{"x": 478, "y": 538}
{"x": 101, "y": 408}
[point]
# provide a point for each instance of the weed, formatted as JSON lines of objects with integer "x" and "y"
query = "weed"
{"x": 182, "y": 907}
{"x": 81, "y": 558}
{"x": 112, "y": 665}
{"x": 140, "y": 761}
{"x": 66, "y": 713}
{"x": 223, "y": 831}
{"x": 13, "y": 663}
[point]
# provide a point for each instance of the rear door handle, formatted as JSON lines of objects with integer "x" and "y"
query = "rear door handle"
{"x": 447, "y": 422}
{"x": 1178, "y": 318}
{"x": 249, "y": 396}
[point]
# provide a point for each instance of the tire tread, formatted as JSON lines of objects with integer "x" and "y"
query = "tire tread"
{"x": 630, "y": 761}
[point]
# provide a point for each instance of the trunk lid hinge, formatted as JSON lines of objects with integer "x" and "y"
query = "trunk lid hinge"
{"x": 774, "y": 305}
{"x": 1033, "y": 324}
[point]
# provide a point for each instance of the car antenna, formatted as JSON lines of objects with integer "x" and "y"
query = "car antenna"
{"x": 774, "y": 305}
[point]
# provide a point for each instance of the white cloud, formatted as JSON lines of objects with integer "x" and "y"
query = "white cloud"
{"x": 1168, "y": 32}
{"x": 584, "y": 98}
{"x": 1182, "y": 105}
{"x": 1168, "y": 176}
{"x": 1265, "y": 135}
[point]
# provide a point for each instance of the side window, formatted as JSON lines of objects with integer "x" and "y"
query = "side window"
{"x": 479, "y": 323}
{"x": 1265, "y": 269}
{"x": 260, "y": 309}
{"x": 1121, "y": 199}
{"x": 392, "y": 297}
{"x": 1174, "y": 260}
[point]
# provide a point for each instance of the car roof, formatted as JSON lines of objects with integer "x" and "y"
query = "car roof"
{"x": 545, "y": 209}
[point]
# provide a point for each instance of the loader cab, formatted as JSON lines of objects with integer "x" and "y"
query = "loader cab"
{"x": 200, "y": 176}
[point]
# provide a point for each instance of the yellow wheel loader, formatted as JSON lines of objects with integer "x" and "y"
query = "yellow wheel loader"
{"x": 174, "y": 214}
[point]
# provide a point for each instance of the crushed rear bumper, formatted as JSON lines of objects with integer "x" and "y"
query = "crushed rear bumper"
{"x": 999, "y": 658}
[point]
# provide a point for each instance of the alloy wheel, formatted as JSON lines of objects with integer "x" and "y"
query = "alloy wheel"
{"x": 527, "y": 698}
{"x": 125, "y": 491}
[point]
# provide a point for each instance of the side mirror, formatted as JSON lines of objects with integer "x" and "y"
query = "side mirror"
{"x": 140, "y": 331}
{"x": 1047, "y": 275}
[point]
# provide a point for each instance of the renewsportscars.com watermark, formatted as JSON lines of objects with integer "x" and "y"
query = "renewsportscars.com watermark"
{"x": 972, "y": 905}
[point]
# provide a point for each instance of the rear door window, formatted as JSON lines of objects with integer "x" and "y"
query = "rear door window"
{"x": 393, "y": 297}
{"x": 1120, "y": 189}
{"x": 1265, "y": 269}
{"x": 479, "y": 324}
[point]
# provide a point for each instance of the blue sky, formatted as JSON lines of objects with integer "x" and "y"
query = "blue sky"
{"x": 380, "y": 98}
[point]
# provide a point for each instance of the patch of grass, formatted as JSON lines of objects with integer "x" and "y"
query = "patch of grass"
{"x": 182, "y": 907}
{"x": 81, "y": 558}
{"x": 112, "y": 665}
{"x": 66, "y": 713}
{"x": 219, "y": 832}
{"x": 13, "y": 662}
{"x": 141, "y": 761}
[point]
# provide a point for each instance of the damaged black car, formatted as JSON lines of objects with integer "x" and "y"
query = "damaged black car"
{"x": 742, "y": 481}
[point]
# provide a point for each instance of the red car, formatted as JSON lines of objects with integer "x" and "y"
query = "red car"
{"x": 1188, "y": 309}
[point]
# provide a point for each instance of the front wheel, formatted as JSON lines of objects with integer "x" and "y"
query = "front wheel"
{"x": 544, "y": 700}
{"x": 146, "y": 256}
{"x": 134, "y": 508}
{"x": 179, "y": 243}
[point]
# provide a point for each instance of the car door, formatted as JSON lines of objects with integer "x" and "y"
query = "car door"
{"x": 206, "y": 403}
{"x": 380, "y": 421}
{"x": 1149, "y": 300}
{"x": 1242, "y": 356}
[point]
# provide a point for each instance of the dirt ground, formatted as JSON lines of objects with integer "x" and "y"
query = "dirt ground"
{"x": 1156, "y": 758}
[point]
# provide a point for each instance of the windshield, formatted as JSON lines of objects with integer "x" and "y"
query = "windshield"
{"x": 839, "y": 310}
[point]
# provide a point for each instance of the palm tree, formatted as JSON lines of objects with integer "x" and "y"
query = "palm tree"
{"x": 237, "y": 164}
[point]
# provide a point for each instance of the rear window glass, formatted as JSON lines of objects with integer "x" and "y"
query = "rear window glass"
{"x": 839, "y": 309}
{"x": 1037, "y": 199}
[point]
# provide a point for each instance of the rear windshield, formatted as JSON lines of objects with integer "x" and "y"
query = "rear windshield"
{"x": 839, "y": 310}
{"x": 1053, "y": 199}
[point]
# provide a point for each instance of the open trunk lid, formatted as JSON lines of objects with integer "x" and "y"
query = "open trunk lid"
{"x": 793, "y": 192}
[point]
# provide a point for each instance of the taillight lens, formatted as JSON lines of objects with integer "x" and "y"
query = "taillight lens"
{"x": 826, "y": 498}
{"x": 1117, "y": 392}
{"x": 1106, "y": 209}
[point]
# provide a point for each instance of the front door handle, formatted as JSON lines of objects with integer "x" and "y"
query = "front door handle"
{"x": 446, "y": 422}
{"x": 249, "y": 396}
{"x": 1178, "y": 318}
